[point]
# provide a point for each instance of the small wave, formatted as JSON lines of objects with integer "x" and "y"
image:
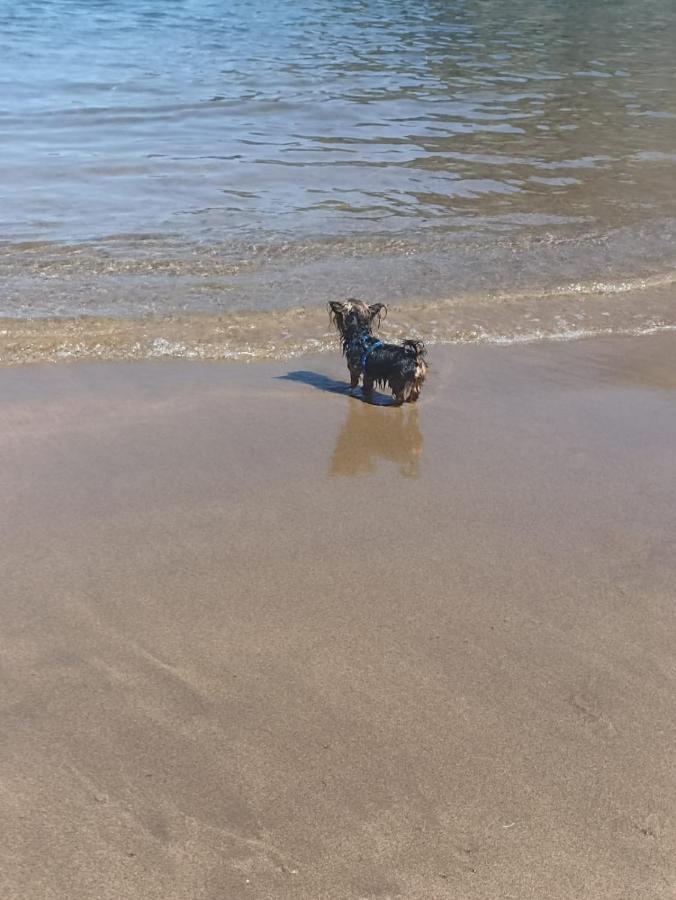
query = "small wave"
{"x": 535, "y": 337}
{"x": 649, "y": 306}
{"x": 125, "y": 297}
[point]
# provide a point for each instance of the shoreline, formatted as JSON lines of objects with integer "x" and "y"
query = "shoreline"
{"x": 283, "y": 335}
{"x": 142, "y": 299}
{"x": 264, "y": 640}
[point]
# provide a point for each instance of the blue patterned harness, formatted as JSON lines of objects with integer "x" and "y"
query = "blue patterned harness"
{"x": 366, "y": 348}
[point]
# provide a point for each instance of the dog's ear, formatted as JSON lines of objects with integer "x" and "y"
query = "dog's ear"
{"x": 337, "y": 314}
{"x": 377, "y": 311}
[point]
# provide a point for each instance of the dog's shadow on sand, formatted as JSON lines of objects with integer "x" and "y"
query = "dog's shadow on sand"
{"x": 370, "y": 434}
{"x": 317, "y": 380}
{"x": 332, "y": 386}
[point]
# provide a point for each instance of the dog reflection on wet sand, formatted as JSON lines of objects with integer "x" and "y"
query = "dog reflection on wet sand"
{"x": 367, "y": 436}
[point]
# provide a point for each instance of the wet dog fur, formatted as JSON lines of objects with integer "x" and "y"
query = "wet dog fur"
{"x": 401, "y": 367}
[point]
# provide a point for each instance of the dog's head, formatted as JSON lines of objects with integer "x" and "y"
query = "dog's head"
{"x": 355, "y": 316}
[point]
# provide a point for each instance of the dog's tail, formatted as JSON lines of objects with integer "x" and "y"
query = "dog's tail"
{"x": 416, "y": 349}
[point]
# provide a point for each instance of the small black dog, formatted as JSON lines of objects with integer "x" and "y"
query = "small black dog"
{"x": 400, "y": 366}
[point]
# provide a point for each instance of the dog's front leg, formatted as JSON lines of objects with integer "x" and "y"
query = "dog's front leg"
{"x": 354, "y": 378}
{"x": 368, "y": 387}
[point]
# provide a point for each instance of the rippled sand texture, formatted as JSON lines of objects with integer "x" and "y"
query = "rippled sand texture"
{"x": 262, "y": 640}
{"x": 178, "y": 159}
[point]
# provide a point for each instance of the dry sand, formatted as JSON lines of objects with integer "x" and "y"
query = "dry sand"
{"x": 260, "y": 640}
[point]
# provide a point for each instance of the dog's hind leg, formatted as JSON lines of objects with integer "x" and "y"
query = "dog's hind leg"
{"x": 406, "y": 394}
{"x": 417, "y": 383}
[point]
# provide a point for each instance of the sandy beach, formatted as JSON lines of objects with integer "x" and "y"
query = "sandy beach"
{"x": 261, "y": 640}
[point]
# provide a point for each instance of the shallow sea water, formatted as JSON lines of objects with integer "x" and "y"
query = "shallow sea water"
{"x": 199, "y": 178}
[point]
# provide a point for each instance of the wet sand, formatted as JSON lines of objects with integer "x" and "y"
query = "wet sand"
{"x": 262, "y": 640}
